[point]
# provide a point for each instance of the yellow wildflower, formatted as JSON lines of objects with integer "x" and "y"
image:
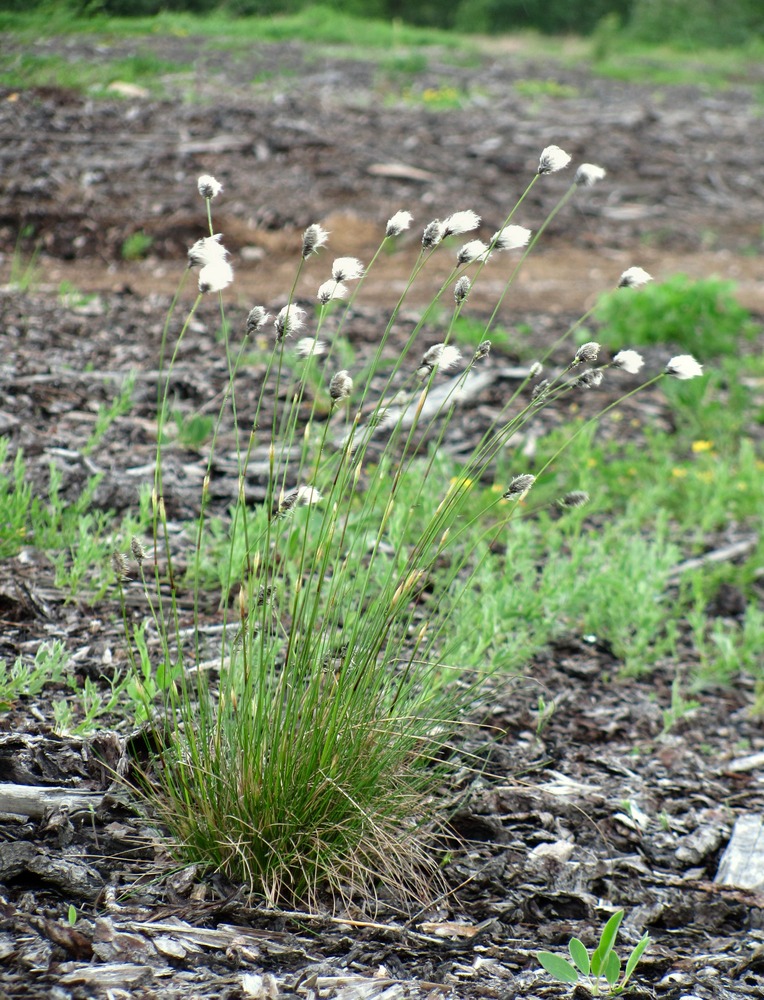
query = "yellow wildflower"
{"x": 700, "y": 446}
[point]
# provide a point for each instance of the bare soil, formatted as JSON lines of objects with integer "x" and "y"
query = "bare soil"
{"x": 595, "y": 809}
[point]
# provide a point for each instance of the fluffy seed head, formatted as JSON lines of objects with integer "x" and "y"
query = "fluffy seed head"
{"x": 398, "y": 222}
{"x": 215, "y": 276}
{"x": 207, "y": 250}
{"x": 472, "y": 251}
{"x": 256, "y": 319}
{"x": 433, "y": 234}
{"x": 119, "y": 565}
{"x": 634, "y": 277}
{"x": 208, "y": 186}
{"x": 511, "y": 238}
{"x": 482, "y": 350}
{"x": 442, "y": 356}
{"x": 308, "y": 495}
{"x": 519, "y": 487}
{"x": 684, "y": 366}
{"x": 313, "y": 239}
{"x": 576, "y": 498}
{"x": 331, "y": 289}
{"x": 587, "y": 353}
{"x": 347, "y": 269}
{"x": 300, "y": 496}
{"x": 540, "y": 390}
{"x": 552, "y": 159}
{"x": 462, "y": 289}
{"x": 307, "y": 347}
{"x": 535, "y": 369}
{"x": 590, "y": 379}
{"x": 588, "y": 174}
{"x": 340, "y": 386}
{"x": 460, "y": 222}
{"x": 136, "y": 547}
{"x": 289, "y": 320}
{"x": 628, "y": 361}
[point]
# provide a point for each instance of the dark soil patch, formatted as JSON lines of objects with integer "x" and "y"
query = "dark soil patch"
{"x": 593, "y": 809}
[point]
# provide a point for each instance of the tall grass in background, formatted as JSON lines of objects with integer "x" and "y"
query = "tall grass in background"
{"x": 312, "y": 752}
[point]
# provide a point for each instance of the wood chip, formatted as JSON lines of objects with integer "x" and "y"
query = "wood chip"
{"x": 742, "y": 863}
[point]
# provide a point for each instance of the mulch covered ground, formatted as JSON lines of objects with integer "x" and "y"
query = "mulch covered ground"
{"x": 575, "y": 815}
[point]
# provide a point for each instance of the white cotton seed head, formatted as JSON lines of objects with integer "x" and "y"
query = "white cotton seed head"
{"x": 588, "y": 174}
{"x": 331, "y": 289}
{"x": 398, "y": 222}
{"x": 460, "y": 222}
{"x": 482, "y": 350}
{"x": 684, "y": 366}
{"x": 590, "y": 379}
{"x": 462, "y": 289}
{"x": 216, "y": 276}
{"x": 340, "y": 386}
{"x": 307, "y": 347}
{"x": 208, "y": 187}
{"x": 519, "y": 487}
{"x": 347, "y": 269}
{"x": 472, "y": 251}
{"x": 432, "y": 235}
{"x": 289, "y": 320}
{"x": 313, "y": 239}
{"x": 442, "y": 356}
{"x": 540, "y": 391}
{"x": 300, "y": 495}
{"x": 307, "y": 495}
{"x": 587, "y": 353}
{"x": 576, "y": 498}
{"x": 207, "y": 250}
{"x": 628, "y": 361}
{"x": 256, "y": 319}
{"x": 634, "y": 277}
{"x": 552, "y": 159}
{"x": 511, "y": 238}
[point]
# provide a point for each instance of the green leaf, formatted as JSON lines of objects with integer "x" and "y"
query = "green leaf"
{"x": 634, "y": 957}
{"x": 580, "y": 955}
{"x": 612, "y": 968}
{"x": 607, "y": 940}
{"x": 557, "y": 967}
{"x": 596, "y": 962}
{"x": 71, "y": 915}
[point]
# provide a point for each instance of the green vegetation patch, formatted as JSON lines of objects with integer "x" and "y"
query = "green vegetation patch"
{"x": 702, "y": 317}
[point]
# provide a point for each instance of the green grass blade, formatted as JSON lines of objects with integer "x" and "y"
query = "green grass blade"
{"x": 580, "y": 955}
{"x": 557, "y": 967}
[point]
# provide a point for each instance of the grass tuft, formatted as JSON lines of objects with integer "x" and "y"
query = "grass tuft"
{"x": 362, "y": 600}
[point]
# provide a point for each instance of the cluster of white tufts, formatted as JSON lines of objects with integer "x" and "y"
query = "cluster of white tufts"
{"x": 216, "y": 273}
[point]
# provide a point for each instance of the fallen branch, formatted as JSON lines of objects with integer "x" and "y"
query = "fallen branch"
{"x": 37, "y": 801}
{"x": 725, "y": 554}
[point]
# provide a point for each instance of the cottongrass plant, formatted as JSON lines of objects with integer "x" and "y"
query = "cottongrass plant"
{"x": 314, "y": 755}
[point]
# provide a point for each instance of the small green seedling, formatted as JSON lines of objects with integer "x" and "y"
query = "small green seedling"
{"x": 603, "y": 963}
{"x": 71, "y": 915}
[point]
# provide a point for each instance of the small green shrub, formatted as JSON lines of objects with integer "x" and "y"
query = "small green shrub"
{"x": 28, "y": 679}
{"x": 136, "y": 246}
{"x": 15, "y": 497}
{"x": 700, "y": 316}
{"x": 194, "y": 429}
